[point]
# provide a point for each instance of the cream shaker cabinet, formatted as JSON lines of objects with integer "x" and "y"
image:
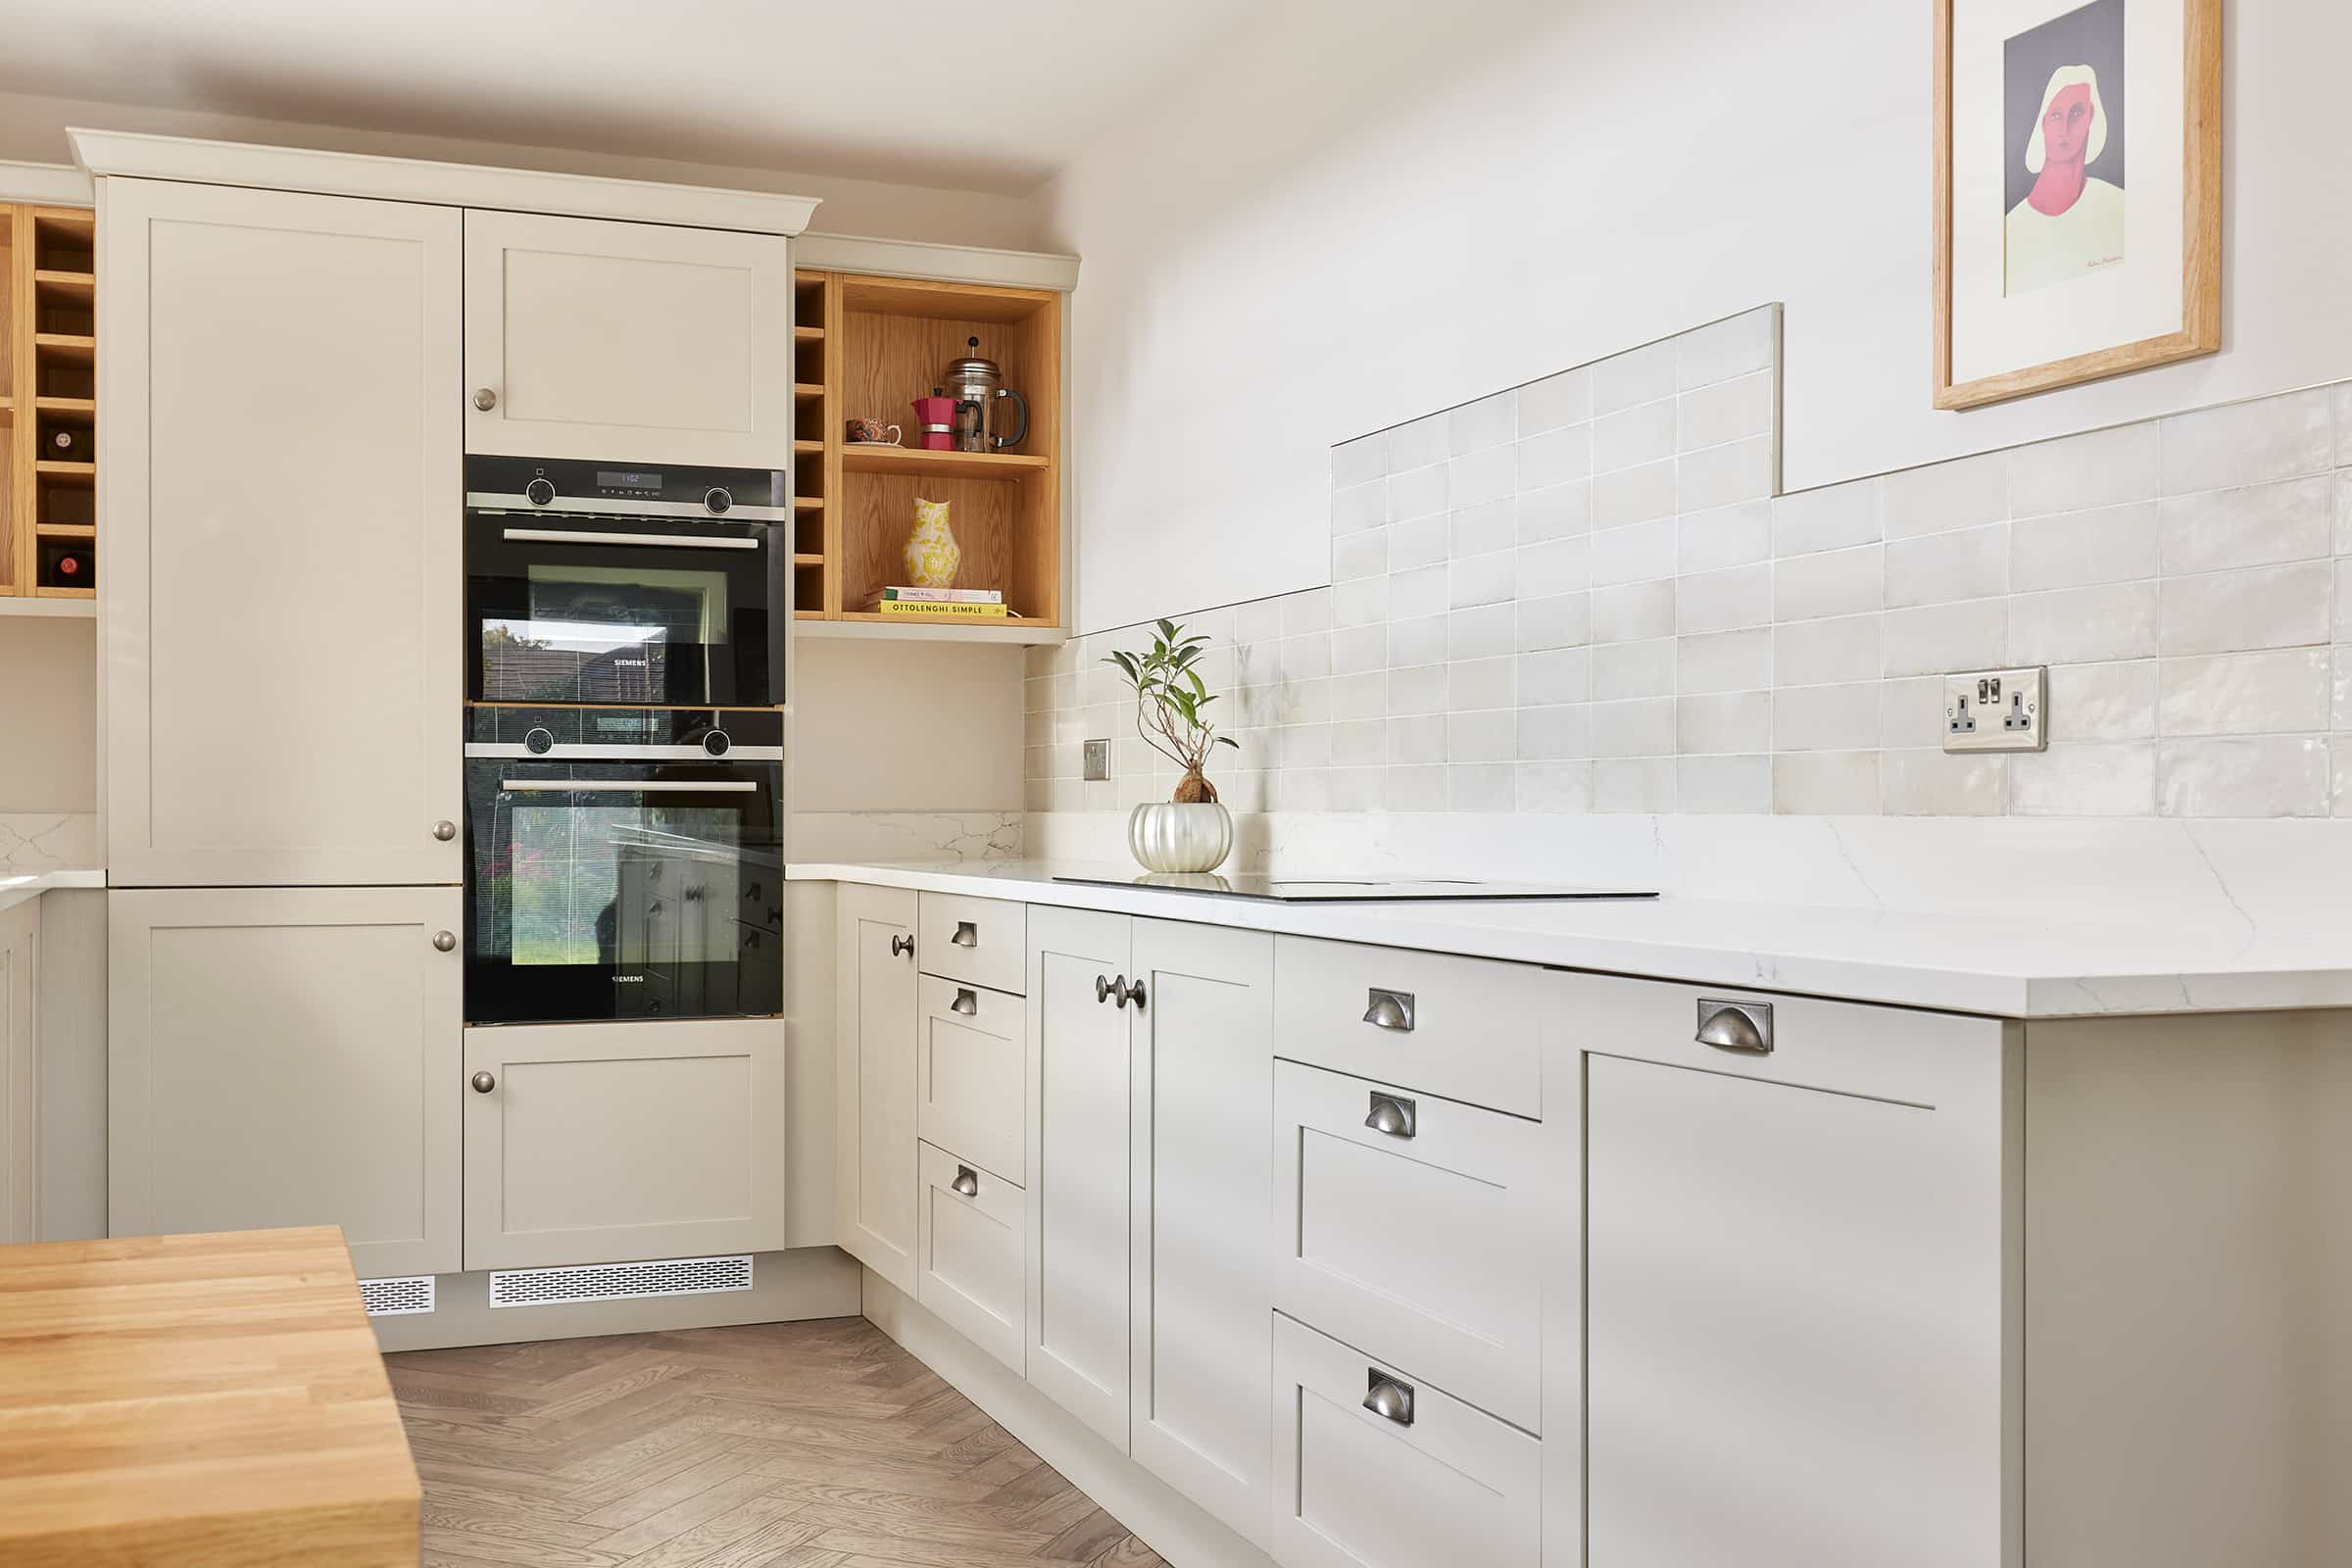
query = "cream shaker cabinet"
{"x": 282, "y": 498}
{"x": 874, "y": 1125}
{"x": 591, "y": 1145}
{"x": 288, "y": 1056}
{"x": 19, "y": 1087}
{"x": 1200, "y": 1069}
{"x": 1150, "y": 1185}
{"x": 1078, "y": 1178}
{"x": 1798, "y": 1295}
{"x": 627, "y": 342}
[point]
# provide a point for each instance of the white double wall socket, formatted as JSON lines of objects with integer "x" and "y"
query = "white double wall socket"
{"x": 1996, "y": 710}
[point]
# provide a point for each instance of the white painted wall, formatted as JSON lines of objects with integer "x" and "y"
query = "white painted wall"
{"x": 32, "y": 129}
{"x": 1360, "y": 211}
{"x": 912, "y": 726}
{"x": 48, "y": 716}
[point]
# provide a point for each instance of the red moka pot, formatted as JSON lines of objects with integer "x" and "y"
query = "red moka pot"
{"x": 935, "y": 423}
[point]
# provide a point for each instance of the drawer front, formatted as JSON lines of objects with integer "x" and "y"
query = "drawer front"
{"x": 1355, "y": 1488}
{"x": 968, "y": 1253}
{"x": 1415, "y": 1240}
{"x": 971, "y": 1065}
{"x": 1464, "y": 1028}
{"x": 977, "y": 940}
{"x": 1853, "y": 1047}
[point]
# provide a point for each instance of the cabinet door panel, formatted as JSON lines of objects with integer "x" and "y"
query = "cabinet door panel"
{"x": 1203, "y": 1069}
{"x": 630, "y": 342}
{"x": 19, "y": 1087}
{"x": 287, "y": 1056}
{"x": 971, "y": 1251}
{"x": 971, "y": 1066}
{"x": 874, "y": 1082}
{"x": 1078, "y": 1183}
{"x": 623, "y": 1142}
{"x": 1798, "y": 1284}
{"x": 281, "y": 578}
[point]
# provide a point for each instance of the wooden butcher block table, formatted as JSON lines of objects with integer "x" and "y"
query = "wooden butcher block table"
{"x": 197, "y": 1401}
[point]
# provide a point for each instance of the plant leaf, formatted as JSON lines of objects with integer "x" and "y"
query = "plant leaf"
{"x": 1227, "y": 740}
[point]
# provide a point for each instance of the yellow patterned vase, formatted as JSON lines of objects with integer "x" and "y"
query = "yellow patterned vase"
{"x": 932, "y": 553}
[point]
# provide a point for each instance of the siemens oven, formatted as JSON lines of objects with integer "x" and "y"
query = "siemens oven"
{"x": 625, "y": 863}
{"x": 598, "y": 582}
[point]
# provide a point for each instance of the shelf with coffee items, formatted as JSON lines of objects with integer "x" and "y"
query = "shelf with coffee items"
{"x": 890, "y": 341}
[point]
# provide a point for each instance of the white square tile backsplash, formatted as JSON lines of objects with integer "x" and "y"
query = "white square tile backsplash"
{"x": 1582, "y": 595}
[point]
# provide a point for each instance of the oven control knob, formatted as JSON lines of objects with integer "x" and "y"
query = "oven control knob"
{"x": 539, "y": 742}
{"x": 539, "y": 493}
{"x": 717, "y": 499}
{"x": 716, "y": 743}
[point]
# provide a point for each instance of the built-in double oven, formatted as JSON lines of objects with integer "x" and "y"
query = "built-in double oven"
{"x": 624, "y": 752}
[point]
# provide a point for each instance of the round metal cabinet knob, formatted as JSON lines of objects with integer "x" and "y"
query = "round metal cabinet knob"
{"x": 902, "y": 947}
{"x": 484, "y": 399}
{"x": 444, "y": 831}
{"x": 446, "y": 941}
{"x": 483, "y": 1083}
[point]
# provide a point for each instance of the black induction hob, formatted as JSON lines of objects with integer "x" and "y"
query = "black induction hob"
{"x": 1348, "y": 890}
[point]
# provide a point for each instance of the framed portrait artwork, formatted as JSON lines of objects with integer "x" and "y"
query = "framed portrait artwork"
{"x": 2078, "y": 191}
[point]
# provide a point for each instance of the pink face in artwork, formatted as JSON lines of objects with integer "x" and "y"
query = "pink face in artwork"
{"x": 2066, "y": 125}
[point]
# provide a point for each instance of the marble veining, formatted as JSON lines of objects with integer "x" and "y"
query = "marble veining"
{"x": 957, "y": 836}
{"x": 48, "y": 841}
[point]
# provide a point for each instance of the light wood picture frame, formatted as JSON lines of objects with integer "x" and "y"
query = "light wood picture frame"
{"x": 1961, "y": 378}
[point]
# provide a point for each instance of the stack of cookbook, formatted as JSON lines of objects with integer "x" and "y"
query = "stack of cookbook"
{"x": 944, "y": 604}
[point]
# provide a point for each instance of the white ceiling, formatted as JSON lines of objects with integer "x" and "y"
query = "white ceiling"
{"x": 992, "y": 97}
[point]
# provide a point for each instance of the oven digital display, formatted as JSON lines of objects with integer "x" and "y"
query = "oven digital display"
{"x": 642, "y": 479}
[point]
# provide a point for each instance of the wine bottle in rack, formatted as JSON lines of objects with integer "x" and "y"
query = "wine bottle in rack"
{"x": 70, "y": 444}
{"x": 66, "y": 563}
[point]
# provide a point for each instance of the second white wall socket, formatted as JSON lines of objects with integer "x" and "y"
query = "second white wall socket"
{"x": 1996, "y": 710}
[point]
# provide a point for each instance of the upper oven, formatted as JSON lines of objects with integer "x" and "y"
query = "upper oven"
{"x": 592, "y": 582}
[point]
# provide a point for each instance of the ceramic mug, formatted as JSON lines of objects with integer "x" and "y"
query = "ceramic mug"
{"x": 874, "y": 431}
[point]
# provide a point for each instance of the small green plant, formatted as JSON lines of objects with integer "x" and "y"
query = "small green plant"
{"x": 1170, "y": 701}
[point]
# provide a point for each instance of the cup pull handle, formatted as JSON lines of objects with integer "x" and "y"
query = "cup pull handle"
{"x": 966, "y": 1001}
{"x": 967, "y": 1182}
{"x": 1390, "y": 1398}
{"x": 1741, "y": 1026}
{"x": 1390, "y": 1010}
{"x": 967, "y": 935}
{"x": 1393, "y": 1114}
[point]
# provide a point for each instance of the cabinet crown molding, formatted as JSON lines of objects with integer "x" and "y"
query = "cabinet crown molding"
{"x": 194, "y": 161}
{"x": 44, "y": 184}
{"x": 925, "y": 259}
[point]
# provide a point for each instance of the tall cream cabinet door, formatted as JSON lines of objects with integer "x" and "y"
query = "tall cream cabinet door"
{"x": 874, "y": 1125}
{"x": 1079, "y": 1173}
{"x": 627, "y": 342}
{"x": 1802, "y": 1285}
{"x": 284, "y": 501}
{"x": 612, "y": 1143}
{"x": 19, "y": 1077}
{"x": 1200, "y": 1031}
{"x": 287, "y": 1056}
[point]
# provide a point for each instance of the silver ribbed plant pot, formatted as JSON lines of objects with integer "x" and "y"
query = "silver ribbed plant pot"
{"x": 1174, "y": 836}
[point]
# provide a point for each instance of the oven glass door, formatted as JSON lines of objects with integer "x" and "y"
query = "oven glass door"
{"x": 623, "y": 890}
{"x": 659, "y": 611}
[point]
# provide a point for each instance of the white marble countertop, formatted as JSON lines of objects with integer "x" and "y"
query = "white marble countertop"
{"x": 14, "y": 890}
{"x": 2013, "y": 968}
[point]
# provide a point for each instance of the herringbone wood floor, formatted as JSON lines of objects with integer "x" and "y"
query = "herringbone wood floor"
{"x": 816, "y": 1444}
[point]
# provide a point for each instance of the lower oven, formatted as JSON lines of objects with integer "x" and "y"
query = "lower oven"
{"x": 623, "y": 864}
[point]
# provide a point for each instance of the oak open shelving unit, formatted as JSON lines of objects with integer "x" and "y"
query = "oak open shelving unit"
{"x": 868, "y": 346}
{"x": 48, "y": 384}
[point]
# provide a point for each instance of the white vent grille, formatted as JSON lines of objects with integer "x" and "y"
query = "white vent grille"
{"x": 389, "y": 1297}
{"x": 620, "y": 1282}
